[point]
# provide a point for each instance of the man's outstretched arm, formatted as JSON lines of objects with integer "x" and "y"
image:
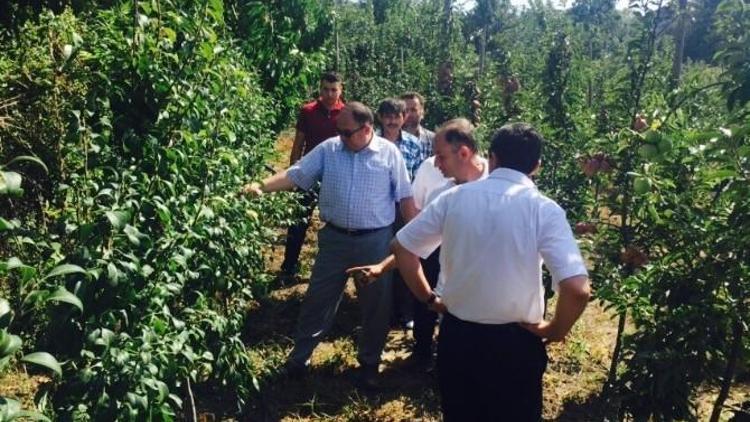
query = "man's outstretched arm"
{"x": 411, "y": 271}
{"x": 278, "y": 182}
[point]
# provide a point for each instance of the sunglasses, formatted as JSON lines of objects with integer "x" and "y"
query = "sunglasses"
{"x": 348, "y": 133}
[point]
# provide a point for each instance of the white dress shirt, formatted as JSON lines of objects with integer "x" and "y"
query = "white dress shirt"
{"x": 495, "y": 234}
{"x": 427, "y": 179}
{"x": 432, "y": 195}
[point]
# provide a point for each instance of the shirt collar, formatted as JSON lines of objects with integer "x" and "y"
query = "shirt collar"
{"x": 401, "y": 137}
{"x": 338, "y": 106}
{"x": 375, "y": 144}
{"x": 512, "y": 176}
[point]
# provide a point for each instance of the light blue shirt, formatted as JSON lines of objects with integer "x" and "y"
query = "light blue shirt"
{"x": 357, "y": 189}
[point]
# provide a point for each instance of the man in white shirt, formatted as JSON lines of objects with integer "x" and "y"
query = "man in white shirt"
{"x": 494, "y": 236}
{"x": 456, "y": 157}
{"x": 427, "y": 179}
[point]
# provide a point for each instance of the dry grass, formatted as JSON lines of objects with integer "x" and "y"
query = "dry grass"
{"x": 17, "y": 384}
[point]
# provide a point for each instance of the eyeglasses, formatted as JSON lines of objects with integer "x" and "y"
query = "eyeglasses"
{"x": 348, "y": 133}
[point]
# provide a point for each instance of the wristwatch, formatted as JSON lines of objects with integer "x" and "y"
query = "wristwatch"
{"x": 433, "y": 297}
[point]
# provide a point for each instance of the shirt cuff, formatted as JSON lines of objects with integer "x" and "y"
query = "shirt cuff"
{"x": 405, "y": 192}
{"x": 299, "y": 178}
{"x": 572, "y": 271}
{"x": 411, "y": 246}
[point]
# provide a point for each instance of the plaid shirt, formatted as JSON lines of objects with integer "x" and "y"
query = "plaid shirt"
{"x": 427, "y": 137}
{"x": 357, "y": 189}
{"x": 413, "y": 150}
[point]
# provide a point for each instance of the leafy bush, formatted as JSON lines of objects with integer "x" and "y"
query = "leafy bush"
{"x": 143, "y": 257}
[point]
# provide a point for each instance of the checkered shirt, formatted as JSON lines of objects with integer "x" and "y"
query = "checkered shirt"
{"x": 357, "y": 189}
{"x": 413, "y": 150}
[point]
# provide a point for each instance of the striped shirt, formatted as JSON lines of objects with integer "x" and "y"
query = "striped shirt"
{"x": 357, "y": 189}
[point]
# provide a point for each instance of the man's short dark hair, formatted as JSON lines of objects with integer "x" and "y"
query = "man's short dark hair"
{"x": 392, "y": 106}
{"x": 360, "y": 112}
{"x": 457, "y": 132}
{"x": 331, "y": 77}
{"x": 517, "y": 146}
{"x": 413, "y": 95}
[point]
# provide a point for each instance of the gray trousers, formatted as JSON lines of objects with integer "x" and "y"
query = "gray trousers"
{"x": 337, "y": 252}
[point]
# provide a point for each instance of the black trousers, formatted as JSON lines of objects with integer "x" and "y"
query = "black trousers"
{"x": 295, "y": 235}
{"x": 403, "y": 306}
{"x": 424, "y": 318}
{"x": 489, "y": 372}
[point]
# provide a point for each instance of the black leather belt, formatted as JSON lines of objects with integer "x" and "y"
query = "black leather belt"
{"x": 353, "y": 232}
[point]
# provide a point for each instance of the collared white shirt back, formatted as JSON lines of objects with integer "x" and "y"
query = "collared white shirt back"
{"x": 495, "y": 234}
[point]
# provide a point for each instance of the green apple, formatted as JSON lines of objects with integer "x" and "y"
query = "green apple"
{"x": 641, "y": 185}
{"x": 648, "y": 151}
{"x": 665, "y": 145}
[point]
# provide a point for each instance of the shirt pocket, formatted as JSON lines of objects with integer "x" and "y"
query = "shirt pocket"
{"x": 376, "y": 179}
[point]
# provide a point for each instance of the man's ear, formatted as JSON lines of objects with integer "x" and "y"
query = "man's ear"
{"x": 537, "y": 168}
{"x": 492, "y": 161}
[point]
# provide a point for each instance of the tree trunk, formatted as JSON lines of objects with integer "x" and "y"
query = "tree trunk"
{"x": 589, "y": 84}
{"x": 612, "y": 376}
{"x": 726, "y": 380}
{"x": 447, "y": 25}
{"x": 336, "y": 38}
{"x": 482, "y": 52}
{"x": 679, "y": 44}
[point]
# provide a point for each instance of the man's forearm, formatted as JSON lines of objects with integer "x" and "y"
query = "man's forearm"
{"x": 278, "y": 182}
{"x": 297, "y": 146}
{"x": 408, "y": 209}
{"x": 573, "y": 298}
{"x": 411, "y": 271}
{"x": 388, "y": 263}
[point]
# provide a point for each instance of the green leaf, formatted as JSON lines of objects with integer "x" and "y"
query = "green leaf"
{"x": 134, "y": 236}
{"x": 6, "y": 225}
{"x": 29, "y": 158}
{"x": 5, "y": 313}
{"x": 63, "y": 295}
{"x": 10, "y": 183}
{"x": 30, "y": 414}
{"x": 9, "y": 343}
{"x": 718, "y": 174}
{"x": 65, "y": 269}
{"x": 9, "y": 409}
{"x": 44, "y": 359}
{"x": 118, "y": 219}
{"x": 13, "y": 263}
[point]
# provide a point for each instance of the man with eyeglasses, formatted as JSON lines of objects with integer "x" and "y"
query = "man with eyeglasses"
{"x": 361, "y": 176}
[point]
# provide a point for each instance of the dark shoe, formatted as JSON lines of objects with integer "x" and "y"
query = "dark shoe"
{"x": 292, "y": 371}
{"x": 368, "y": 378}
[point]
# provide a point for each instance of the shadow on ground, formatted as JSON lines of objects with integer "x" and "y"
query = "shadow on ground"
{"x": 329, "y": 391}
